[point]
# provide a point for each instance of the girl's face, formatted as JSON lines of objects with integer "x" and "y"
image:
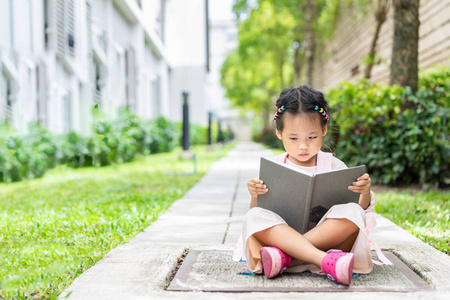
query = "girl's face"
{"x": 302, "y": 138}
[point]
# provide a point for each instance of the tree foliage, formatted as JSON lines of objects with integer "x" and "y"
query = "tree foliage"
{"x": 272, "y": 49}
{"x": 261, "y": 65}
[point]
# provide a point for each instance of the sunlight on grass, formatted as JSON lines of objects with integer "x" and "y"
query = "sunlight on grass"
{"x": 54, "y": 228}
{"x": 424, "y": 214}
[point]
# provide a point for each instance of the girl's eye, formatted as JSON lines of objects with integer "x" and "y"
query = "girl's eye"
{"x": 312, "y": 137}
{"x": 293, "y": 139}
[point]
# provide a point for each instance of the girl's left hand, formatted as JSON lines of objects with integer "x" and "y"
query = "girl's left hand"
{"x": 362, "y": 185}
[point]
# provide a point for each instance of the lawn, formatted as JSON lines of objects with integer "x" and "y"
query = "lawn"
{"x": 54, "y": 228}
{"x": 424, "y": 214}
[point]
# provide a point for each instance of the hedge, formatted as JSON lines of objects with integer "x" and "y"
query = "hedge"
{"x": 403, "y": 137}
{"x": 115, "y": 141}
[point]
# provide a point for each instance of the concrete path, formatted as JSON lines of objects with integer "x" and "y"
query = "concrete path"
{"x": 209, "y": 217}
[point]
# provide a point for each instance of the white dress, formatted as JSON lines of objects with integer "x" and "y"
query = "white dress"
{"x": 258, "y": 219}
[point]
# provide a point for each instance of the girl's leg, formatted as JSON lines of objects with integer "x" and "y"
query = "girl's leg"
{"x": 333, "y": 234}
{"x": 292, "y": 243}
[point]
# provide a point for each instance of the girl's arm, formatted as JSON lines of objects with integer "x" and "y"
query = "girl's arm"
{"x": 256, "y": 187}
{"x": 362, "y": 186}
{"x": 364, "y": 200}
{"x": 253, "y": 202}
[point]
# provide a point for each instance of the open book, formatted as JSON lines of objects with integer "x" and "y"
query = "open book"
{"x": 302, "y": 198}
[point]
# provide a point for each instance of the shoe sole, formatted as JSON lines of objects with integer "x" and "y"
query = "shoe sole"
{"x": 344, "y": 269}
{"x": 270, "y": 267}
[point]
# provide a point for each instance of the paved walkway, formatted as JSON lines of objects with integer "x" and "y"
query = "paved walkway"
{"x": 209, "y": 217}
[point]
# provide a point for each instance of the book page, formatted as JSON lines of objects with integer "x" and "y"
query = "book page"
{"x": 331, "y": 188}
{"x": 288, "y": 190}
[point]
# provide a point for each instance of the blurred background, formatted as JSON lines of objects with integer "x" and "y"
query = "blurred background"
{"x": 60, "y": 58}
{"x": 72, "y": 66}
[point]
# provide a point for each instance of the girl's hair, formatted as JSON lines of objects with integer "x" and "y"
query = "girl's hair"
{"x": 303, "y": 99}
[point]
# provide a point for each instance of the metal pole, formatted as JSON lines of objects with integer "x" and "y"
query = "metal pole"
{"x": 209, "y": 128}
{"x": 185, "y": 140}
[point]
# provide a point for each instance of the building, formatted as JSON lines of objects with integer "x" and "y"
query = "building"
{"x": 223, "y": 30}
{"x": 61, "y": 57}
{"x": 342, "y": 58}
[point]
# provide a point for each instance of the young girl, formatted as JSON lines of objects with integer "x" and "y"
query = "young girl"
{"x": 338, "y": 245}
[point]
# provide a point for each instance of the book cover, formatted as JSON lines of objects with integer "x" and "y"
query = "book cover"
{"x": 302, "y": 198}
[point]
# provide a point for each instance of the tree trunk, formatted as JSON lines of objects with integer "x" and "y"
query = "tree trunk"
{"x": 380, "y": 17}
{"x": 297, "y": 66}
{"x": 280, "y": 66}
{"x": 309, "y": 35}
{"x": 299, "y": 49}
{"x": 268, "y": 110}
{"x": 404, "y": 64}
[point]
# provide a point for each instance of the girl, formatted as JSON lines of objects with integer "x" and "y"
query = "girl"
{"x": 338, "y": 245}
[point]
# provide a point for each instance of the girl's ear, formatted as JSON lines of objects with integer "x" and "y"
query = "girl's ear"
{"x": 278, "y": 134}
{"x": 324, "y": 130}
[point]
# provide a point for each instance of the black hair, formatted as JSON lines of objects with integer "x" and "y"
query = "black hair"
{"x": 301, "y": 99}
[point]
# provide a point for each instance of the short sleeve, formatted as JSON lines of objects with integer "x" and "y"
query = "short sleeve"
{"x": 338, "y": 164}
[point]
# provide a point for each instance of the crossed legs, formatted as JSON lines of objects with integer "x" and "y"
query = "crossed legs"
{"x": 310, "y": 247}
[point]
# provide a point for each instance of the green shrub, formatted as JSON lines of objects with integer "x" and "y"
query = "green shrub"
{"x": 198, "y": 134}
{"x": 401, "y": 136}
{"x": 99, "y": 152}
{"x": 72, "y": 150}
{"x": 114, "y": 141}
{"x": 268, "y": 137}
{"x": 27, "y": 156}
{"x": 163, "y": 135}
{"x": 9, "y": 162}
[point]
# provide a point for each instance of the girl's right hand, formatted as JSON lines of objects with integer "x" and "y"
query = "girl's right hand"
{"x": 256, "y": 187}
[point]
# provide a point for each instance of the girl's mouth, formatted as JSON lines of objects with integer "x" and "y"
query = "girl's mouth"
{"x": 303, "y": 155}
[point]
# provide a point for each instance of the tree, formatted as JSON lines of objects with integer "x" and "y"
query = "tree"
{"x": 261, "y": 66}
{"x": 276, "y": 41}
{"x": 310, "y": 40}
{"x": 381, "y": 13}
{"x": 404, "y": 62}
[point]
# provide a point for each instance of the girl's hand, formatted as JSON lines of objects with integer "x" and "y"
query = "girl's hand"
{"x": 362, "y": 185}
{"x": 256, "y": 187}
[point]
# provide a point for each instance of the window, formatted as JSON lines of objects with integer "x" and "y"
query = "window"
{"x": 41, "y": 91}
{"x": 2, "y": 97}
{"x": 98, "y": 82}
{"x": 7, "y": 97}
{"x": 46, "y": 24}
{"x": 67, "y": 103}
{"x": 156, "y": 97}
{"x": 130, "y": 78}
{"x": 65, "y": 27}
{"x": 9, "y": 101}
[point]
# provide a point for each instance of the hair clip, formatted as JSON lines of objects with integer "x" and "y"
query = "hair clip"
{"x": 322, "y": 112}
{"x": 279, "y": 111}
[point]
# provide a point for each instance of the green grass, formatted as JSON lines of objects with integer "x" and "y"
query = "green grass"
{"x": 54, "y": 228}
{"x": 424, "y": 214}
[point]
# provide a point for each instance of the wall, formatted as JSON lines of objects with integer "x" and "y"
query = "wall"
{"x": 59, "y": 82}
{"x": 341, "y": 58}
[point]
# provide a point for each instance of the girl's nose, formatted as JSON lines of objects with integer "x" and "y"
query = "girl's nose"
{"x": 302, "y": 146}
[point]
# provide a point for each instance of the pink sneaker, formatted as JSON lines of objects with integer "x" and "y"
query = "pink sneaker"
{"x": 274, "y": 261}
{"x": 338, "y": 266}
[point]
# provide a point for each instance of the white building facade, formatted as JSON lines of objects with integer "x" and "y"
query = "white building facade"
{"x": 59, "y": 58}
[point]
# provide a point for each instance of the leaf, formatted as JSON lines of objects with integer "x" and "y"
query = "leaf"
{"x": 96, "y": 106}
{"x": 12, "y": 152}
{"x": 100, "y": 136}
